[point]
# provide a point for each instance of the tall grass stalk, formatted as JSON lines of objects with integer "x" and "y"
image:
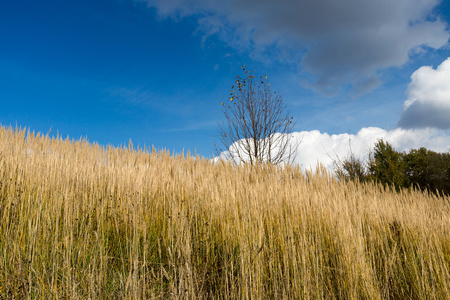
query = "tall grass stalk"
{"x": 82, "y": 221}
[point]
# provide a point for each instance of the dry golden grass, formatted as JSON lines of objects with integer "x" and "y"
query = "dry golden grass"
{"x": 80, "y": 221}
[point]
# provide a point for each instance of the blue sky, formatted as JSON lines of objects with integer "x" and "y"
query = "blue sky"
{"x": 156, "y": 72}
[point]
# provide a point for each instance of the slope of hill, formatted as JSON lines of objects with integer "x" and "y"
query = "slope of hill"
{"x": 81, "y": 221}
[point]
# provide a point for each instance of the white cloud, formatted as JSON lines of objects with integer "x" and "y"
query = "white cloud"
{"x": 428, "y": 103}
{"x": 339, "y": 42}
{"x": 320, "y": 147}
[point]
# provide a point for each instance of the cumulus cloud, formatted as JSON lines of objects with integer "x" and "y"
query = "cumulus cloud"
{"x": 316, "y": 147}
{"x": 339, "y": 42}
{"x": 428, "y": 103}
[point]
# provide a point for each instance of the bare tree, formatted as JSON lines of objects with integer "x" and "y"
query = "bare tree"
{"x": 258, "y": 126}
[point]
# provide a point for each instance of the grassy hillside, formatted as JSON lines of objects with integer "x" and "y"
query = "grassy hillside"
{"x": 81, "y": 221}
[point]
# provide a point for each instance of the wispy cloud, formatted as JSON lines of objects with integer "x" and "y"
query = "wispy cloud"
{"x": 341, "y": 43}
{"x": 192, "y": 126}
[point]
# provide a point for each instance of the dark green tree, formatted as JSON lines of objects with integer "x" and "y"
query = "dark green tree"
{"x": 429, "y": 170}
{"x": 439, "y": 164}
{"x": 387, "y": 166}
{"x": 417, "y": 167}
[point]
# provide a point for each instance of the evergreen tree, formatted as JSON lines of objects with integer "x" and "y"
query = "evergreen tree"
{"x": 387, "y": 165}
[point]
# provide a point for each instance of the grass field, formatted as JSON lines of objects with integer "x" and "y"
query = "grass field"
{"x": 81, "y": 221}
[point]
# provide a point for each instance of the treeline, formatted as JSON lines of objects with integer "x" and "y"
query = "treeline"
{"x": 422, "y": 168}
